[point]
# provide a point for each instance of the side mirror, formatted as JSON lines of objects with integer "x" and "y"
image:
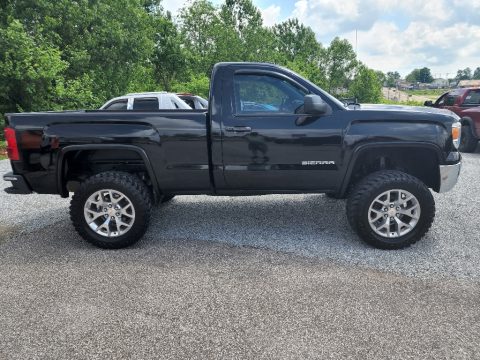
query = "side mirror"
{"x": 428, "y": 103}
{"x": 314, "y": 105}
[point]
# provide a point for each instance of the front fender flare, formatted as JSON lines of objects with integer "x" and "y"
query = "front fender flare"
{"x": 357, "y": 152}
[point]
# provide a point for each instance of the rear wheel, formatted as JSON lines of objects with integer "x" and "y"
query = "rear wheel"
{"x": 391, "y": 209}
{"x": 111, "y": 210}
{"x": 468, "y": 142}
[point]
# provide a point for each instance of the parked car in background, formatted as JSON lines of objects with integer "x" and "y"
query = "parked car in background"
{"x": 194, "y": 101}
{"x": 465, "y": 103}
{"x": 149, "y": 101}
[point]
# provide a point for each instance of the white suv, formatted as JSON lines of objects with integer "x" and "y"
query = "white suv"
{"x": 149, "y": 101}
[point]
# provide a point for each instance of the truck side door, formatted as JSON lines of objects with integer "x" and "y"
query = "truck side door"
{"x": 265, "y": 144}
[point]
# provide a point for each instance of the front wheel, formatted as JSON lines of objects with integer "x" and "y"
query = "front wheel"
{"x": 391, "y": 209}
{"x": 111, "y": 210}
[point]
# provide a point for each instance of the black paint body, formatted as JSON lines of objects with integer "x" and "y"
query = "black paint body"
{"x": 196, "y": 152}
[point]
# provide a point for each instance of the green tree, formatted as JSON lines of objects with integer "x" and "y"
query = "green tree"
{"x": 476, "y": 74}
{"x": 422, "y": 75}
{"x": 201, "y": 27}
{"x": 382, "y": 78}
{"x": 339, "y": 62}
{"x": 198, "y": 84}
{"x": 243, "y": 32}
{"x": 105, "y": 43}
{"x": 413, "y": 76}
{"x": 31, "y": 72}
{"x": 169, "y": 57}
{"x": 295, "y": 41}
{"x": 465, "y": 74}
{"x": 392, "y": 78}
{"x": 366, "y": 86}
{"x": 296, "y": 47}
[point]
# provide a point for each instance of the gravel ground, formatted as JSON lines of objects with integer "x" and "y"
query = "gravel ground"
{"x": 254, "y": 277}
{"x": 305, "y": 225}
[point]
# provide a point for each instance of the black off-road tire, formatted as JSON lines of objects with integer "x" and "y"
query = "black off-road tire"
{"x": 468, "y": 142}
{"x": 130, "y": 185}
{"x": 373, "y": 185}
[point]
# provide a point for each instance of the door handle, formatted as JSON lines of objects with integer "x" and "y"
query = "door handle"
{"x": 238, "y": 129}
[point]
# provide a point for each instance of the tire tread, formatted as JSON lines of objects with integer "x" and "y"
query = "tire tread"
{"x": 363, "y": 190}
{"x": 125, "y": 180}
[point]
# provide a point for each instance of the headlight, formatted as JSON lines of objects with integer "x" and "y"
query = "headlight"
{"x": 456, "y": 133}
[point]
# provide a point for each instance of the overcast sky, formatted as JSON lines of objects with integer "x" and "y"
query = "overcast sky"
{"x": 400, "y": 35}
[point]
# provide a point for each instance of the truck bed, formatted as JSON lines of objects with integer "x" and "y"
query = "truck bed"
{"x": 175, "y": 140}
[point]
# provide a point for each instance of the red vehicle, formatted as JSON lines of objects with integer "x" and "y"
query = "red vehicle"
{"x": 466, "y": 104}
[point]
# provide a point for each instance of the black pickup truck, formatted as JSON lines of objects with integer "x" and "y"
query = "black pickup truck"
{"x": 266, "y": 131}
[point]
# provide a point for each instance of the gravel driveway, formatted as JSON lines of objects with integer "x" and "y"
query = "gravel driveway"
{"x": 255, "y": 277}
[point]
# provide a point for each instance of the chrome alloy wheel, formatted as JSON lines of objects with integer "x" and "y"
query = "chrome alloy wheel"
{"x": 109, "y": 213}
{"x": 394, "y": 213}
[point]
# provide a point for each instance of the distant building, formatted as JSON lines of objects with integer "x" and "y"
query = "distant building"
{"x": 439, "y": 84}
{"x": 404, "y": 85}
{"x": 468, "y": 83}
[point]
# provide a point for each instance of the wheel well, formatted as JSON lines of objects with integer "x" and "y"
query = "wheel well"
{"x": 419, "y": 162}
{"x": 466, "y": 121}
{"x": 78, "y": 165}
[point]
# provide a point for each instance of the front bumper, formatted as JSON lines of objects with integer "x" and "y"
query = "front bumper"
{"x": 19, "y": 185}
{"x": 449, "y": 176}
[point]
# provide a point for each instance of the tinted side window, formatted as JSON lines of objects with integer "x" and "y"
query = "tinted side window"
{"x": 266, "y": 94}
{"x": 189, "y": 102}
{"x": 473, "y": 98}
{"x": 117, "y": 105}
{"x": 203, "y": 103}
{"x": 150, "y": 104}
{"x": 450, "y": 100}
{"x": 441, "y": 100}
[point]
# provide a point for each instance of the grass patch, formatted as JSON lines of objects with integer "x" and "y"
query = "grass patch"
{"x": 3, "y": 150}
{"x": 408, "y": 102}
{"x": 427, "y": 92}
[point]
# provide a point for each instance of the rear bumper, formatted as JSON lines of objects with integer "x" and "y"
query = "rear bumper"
{"x": 449, "y": 176}
{"x": 19, "y": 185}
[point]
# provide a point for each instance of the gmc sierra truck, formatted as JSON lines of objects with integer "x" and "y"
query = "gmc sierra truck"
{"x": 266, "y": 131}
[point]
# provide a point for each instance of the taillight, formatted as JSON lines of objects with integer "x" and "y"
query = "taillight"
{"x": 12, "y": 148}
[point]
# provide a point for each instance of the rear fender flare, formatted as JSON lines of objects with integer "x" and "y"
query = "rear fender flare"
{"x": 61, "y": 186}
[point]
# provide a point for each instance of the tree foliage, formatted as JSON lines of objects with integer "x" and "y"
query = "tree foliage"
{"x": 423, "y": 75}
{"x": 465, "y": 74}
{"x": 476, "y": 74}
{"x": 392, "y": 77}
{"x": 77, "y": 54}
{"x": 366, "y": 85}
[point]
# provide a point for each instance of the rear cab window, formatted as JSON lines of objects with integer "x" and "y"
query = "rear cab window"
{"x": 472, "y": 98}
{"x": 146, "y": 104}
